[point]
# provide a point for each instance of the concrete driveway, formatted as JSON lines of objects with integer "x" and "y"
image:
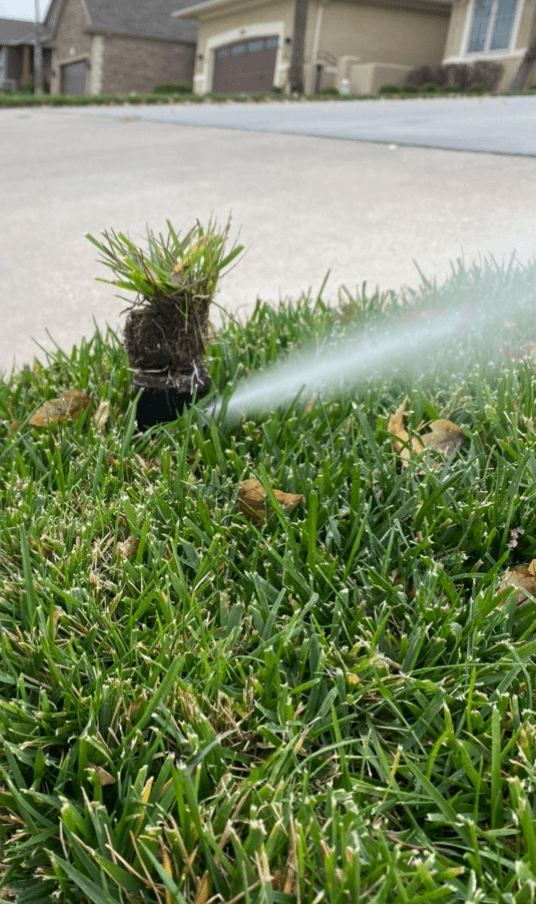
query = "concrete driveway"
{"x": 500, "y": 125}
{"x": 303, "y": 205}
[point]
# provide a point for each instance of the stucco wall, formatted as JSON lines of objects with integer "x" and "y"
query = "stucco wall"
{"x": 381, "y": 33}
{"x": 138, "y": 64}
{"x": 364, "y": 31}
{"x": 455, "y": 34}
{"x": 71, "y": 43}
{"x": 510, "y": 61}
{"x": 527, "y": 26}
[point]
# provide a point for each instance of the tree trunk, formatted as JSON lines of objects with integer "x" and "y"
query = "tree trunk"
{"x": 522, "y": 74}
{"x": 298, "y": 47}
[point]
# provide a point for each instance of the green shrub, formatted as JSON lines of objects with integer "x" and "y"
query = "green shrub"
{"x": 173, "y": 88}
{"x": 427, "y": 75}
{"x": 389, "y": 89}
{"x": 328, "y": 92}
{"x": 430, "y": 88}
{"x": 260, "y": 96}
{"x": 217, "y": 98}
{"x": 409, "y": 89}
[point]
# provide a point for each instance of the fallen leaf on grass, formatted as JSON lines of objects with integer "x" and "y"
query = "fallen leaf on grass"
{"x": 252, "y": 500}
{"x": 104, "y": 777}
{"x": 443, "y": 435}
{"x": 128, "y": 548}
{"x": 523, "y": 578}
{"x": 69, "y": 405}
{"x": 402, "y": 442}
{"x": 101, "y": 416}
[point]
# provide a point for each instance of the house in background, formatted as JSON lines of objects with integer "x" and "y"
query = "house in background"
{"x": 246, "y": 45}
{"x": 118, "y": 46}
{"x": 17, "y": 42}
{"x": 499, "y": 31}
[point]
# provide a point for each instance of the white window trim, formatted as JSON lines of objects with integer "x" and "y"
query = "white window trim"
{"x": 260, "y": 30}
{"x": 510, "y": 51}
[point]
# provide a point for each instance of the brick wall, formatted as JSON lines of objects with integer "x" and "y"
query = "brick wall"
{"x": 71, "y": 42}
{"x": 138, "y": 64}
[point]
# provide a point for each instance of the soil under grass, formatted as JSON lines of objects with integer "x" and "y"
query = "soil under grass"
{"x": 334, "y": 705}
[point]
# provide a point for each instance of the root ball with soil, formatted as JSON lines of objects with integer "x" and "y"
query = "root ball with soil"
{"x": 167, "y": 325}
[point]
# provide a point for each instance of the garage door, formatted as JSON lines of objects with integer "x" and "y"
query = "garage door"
{"x": 245, "y": 66}
{"x": 73, "y": 78}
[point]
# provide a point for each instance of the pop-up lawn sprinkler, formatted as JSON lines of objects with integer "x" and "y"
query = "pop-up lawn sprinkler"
{"x": 166, "y": 329}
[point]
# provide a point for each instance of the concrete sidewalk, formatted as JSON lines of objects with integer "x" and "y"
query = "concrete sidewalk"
{"x": 303, "y": 205}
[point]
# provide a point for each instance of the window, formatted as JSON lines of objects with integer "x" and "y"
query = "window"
{"x": 272, "y": 42}
{"x": 2, "y": 63}
{"x": 223, "y": 53}
{"x": 253, "y": 46}
{"x": 491, "y": 28}
{"x": 238, "y": 49}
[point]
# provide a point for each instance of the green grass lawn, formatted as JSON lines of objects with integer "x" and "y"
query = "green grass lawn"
{"x": 332, "y": 705}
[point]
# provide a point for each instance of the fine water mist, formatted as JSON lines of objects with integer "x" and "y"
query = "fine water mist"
{"x": 431, "y": 343}
{"x": 479, "y": 319}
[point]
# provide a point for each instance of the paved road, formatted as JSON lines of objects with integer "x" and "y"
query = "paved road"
{"x": 500, "y": 125}
{"x": 304, "y": 205}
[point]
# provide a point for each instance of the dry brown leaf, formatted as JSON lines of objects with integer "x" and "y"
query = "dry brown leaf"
{"x": 128, "y": 548}
{"x": 402, "y": 442}
{"x": 101, "y": 416}
{"x": 252, "y": 500}
{"x": 69, "y": 405}
{"x": 444, "y": 435}
{"x": 104, "y": 777}
{"x": 523, "y": 578}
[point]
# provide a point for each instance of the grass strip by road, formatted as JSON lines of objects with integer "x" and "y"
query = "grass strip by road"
{"x": 15, "y": 99}
{"x": 330, "y": 705}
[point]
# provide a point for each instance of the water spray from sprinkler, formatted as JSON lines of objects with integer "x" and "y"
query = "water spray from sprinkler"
{"x": 398, "y": 347}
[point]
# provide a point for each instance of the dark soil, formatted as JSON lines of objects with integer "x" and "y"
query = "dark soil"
{"x": 165, "y": 337}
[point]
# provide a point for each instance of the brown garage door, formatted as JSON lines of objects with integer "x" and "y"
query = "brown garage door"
{"x": 73, "y": 78}
{"x": 245, "y": 66}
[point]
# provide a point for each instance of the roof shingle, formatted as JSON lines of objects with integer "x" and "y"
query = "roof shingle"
{"x": 18, "y": 31}
{"x": 148, "y": 18}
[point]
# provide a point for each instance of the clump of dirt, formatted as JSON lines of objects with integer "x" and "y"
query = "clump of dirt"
{"x": 169, "y": 336}
{"x": 167, "y": 327}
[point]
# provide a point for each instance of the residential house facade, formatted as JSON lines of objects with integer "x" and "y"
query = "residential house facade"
{"x": 499, "y": 31}
{"x": 246, "y": 45}
{"x": 17, "y": 42}
{"x": 118, "y": 46}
